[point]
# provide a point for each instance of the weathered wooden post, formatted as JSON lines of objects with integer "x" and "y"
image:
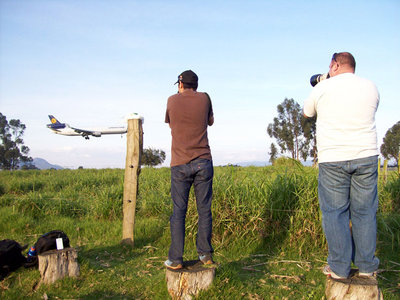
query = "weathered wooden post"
{"x": 385, "y": 170}
{"x": 132, "y": 169}
{"x": 354, "y": 288}
{"x": 379, "y": 168}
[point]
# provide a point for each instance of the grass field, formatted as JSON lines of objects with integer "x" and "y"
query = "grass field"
{"x": 267, "y": 233}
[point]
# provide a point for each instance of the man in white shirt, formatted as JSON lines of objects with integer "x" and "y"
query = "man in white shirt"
{"x": 345, "y": 105}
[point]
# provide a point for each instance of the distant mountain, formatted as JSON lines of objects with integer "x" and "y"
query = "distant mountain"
{"x": 307, "y": 163}
{"x": 43, "y": 164}
{"x": 254, "y": 163}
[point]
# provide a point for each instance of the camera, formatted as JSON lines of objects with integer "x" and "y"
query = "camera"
{"x": 318, "y": 77}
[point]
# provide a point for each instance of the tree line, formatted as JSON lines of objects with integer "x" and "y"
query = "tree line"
{"x": 295, "y": 135}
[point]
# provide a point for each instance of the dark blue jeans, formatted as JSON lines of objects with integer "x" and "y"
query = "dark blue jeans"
{"x": 199, "y": 173}
{"x": 348, "y": 191}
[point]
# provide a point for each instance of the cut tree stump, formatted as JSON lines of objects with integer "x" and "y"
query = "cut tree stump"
{"x": 57, "y": 264}
{"x": 354, "y": 288}
{"x": 190, "y": 280}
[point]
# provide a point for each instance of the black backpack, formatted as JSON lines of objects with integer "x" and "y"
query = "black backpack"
{"x": 11, "y": 257}
{"x": 45, "y": 243}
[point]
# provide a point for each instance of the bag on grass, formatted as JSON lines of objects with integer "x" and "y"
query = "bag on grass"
{"x": 11, "y": 257}
{"x": 45, "y": 243}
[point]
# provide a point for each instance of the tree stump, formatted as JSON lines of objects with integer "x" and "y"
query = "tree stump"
{"x": 190, "y": 280}
{"x": 56, "y": 264}
{"x": 354, "y": 288}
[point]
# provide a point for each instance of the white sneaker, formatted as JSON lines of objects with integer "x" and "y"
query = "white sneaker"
{"x": 327, "y": 271}
{"x": 364, "y": 274}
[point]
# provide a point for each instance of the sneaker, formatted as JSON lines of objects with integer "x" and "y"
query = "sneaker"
{"x": 206, "y": 259}
{"x": 173, "y": 265}
{"x": 327, "y": 271}
{"x": 365, "y": 274}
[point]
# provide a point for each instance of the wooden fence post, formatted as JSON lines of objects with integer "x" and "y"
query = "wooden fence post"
{"x": 379, "y": 168}
{"x": 132, "y": 169}
{"x": 385, "y": 170}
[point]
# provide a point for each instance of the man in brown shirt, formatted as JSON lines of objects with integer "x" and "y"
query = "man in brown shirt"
{"x": 189, "y": 113}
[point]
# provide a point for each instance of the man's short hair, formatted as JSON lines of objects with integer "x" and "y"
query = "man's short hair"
{"x": 345, "y": 58}
{"x": 190, "y": 85}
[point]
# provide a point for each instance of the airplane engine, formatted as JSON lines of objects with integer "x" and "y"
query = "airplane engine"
{"x": 97, "y": 134}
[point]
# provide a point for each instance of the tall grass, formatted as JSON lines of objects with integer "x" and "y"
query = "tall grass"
{"x": 64, "y": 193}
{"x": 258, "y": 213}
{"x": 274, "y": 204}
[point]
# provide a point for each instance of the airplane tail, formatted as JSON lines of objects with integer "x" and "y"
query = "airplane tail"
{"x": 53, "y": 120}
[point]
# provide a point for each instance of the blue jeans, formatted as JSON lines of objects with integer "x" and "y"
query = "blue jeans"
{"x": 199, "y": 173}
{"x": 348, "y": 191}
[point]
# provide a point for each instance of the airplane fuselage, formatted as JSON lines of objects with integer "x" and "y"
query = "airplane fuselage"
{"x": 65, "y": 129}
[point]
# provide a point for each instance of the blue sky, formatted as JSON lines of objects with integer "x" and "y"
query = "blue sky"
{"x": 90, "y": 63}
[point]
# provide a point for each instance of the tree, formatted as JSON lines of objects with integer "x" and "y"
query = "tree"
{"x": 273, "y": 154}
{"x": 13, "y": 152}
{"x": 391, "y": 143}
{"x": 152, "y": 157}
{"x": 309, "y": 126}
{"x": 291, "y": 130}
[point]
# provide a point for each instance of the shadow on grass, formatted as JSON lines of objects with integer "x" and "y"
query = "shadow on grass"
{"x": 148, "y": 232}
{"x": 261, "y": 278}
{"x": 99, "y": 294}
{"x": 95, "y": 295}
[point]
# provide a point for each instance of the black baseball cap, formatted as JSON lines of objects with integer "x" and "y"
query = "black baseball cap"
{"x": 188, "y": 76}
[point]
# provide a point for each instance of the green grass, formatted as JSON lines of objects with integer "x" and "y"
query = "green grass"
{"x": 267, "y": 233}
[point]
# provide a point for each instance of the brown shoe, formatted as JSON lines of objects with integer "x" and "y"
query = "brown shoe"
{"x": 173, "y": 265}
{"x": 206, "y": 259}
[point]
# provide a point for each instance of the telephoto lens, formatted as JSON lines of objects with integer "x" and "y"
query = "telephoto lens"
{"x": 317, "y": 78}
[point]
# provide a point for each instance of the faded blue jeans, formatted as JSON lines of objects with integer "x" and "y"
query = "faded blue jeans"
{"x": 348, "y": 191}
{"x": 199, "y": 173}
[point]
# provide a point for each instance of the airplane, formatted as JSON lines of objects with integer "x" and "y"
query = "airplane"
{"x": 64, "y": 129}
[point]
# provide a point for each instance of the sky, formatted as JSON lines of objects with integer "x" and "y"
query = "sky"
{"x": 92, "y": 62}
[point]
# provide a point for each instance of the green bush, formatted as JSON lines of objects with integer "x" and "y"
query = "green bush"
{"x": 286, "y": 162}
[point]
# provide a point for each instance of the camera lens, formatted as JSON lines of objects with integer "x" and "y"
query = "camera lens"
{"x": 315, "y": 79}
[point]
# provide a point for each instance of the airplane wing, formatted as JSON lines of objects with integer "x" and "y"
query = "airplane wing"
{"x": 98, "y": 132}
{"x": 85, "y": 133}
